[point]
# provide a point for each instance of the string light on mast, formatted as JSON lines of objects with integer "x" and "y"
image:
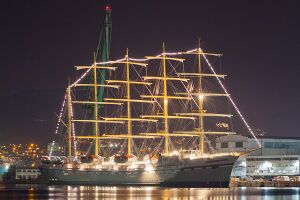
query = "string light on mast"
{"x": 231, "y": 100}
{"x": 176, "y": 53}
{"x": 60, "y": 114}
{"x": 89, "y": 69}
{"x": 73, "y": 129}
{"x": 201, "y": 97}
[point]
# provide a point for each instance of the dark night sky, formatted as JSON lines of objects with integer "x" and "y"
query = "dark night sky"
{"x": 41, "y": 41}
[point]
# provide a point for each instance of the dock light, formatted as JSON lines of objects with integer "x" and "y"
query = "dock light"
{"x": 6, "y": 166}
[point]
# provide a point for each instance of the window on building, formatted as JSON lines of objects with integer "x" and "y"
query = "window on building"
{"x": 269, "y": 145}
{"x": 224, "y": 145}
{"x": 280, "y": 145}
{"x": 239, "y": 144}
{"x": 293, "y": 145}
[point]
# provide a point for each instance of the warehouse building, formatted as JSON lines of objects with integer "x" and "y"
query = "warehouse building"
{"x": 278, "y": 156}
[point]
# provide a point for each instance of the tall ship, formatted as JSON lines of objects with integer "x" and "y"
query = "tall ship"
{"x": 144, "y": 121}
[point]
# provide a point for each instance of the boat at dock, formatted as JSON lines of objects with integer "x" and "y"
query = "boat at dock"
{"x": 143, "y": 121}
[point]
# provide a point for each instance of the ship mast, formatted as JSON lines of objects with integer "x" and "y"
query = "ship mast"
{"x": 201, "y": 95}
{"x": 165, "y": 100}
{"x": 129, "y": 125}
{"x": 165, "y": 103}
{"x": 104, "y": 47}
{"x": 98, "y": 83}
{"x": 98, "y": 76}
{"x": 96, "y": 125}
{"x": 69, "y": 103}
{"x": 200, "y": 102}
{"x": 113, "y": 101}
{"x": 128, "y": 82}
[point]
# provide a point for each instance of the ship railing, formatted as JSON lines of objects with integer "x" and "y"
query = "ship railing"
{"x": 113, "y": 166}
{"x": 194, "y": 154}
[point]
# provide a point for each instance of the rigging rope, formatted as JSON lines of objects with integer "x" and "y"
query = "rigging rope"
{"x": 231, "y": 100}
{"x": 168, "y": 53}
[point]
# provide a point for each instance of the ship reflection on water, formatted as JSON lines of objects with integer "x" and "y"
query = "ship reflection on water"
{"x": 143, "y": 192}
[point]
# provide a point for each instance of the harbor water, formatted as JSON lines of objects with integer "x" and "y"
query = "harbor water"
{"x": 144, "y": 192}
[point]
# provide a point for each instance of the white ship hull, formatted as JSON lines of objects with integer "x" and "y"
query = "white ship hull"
{"x": 197, "y": 172}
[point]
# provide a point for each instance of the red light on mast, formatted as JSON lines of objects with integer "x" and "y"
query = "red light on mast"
{"x": 107, "y": 8}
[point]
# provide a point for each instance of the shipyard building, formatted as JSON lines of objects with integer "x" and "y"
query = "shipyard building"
{"x": 277, "y": 157}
